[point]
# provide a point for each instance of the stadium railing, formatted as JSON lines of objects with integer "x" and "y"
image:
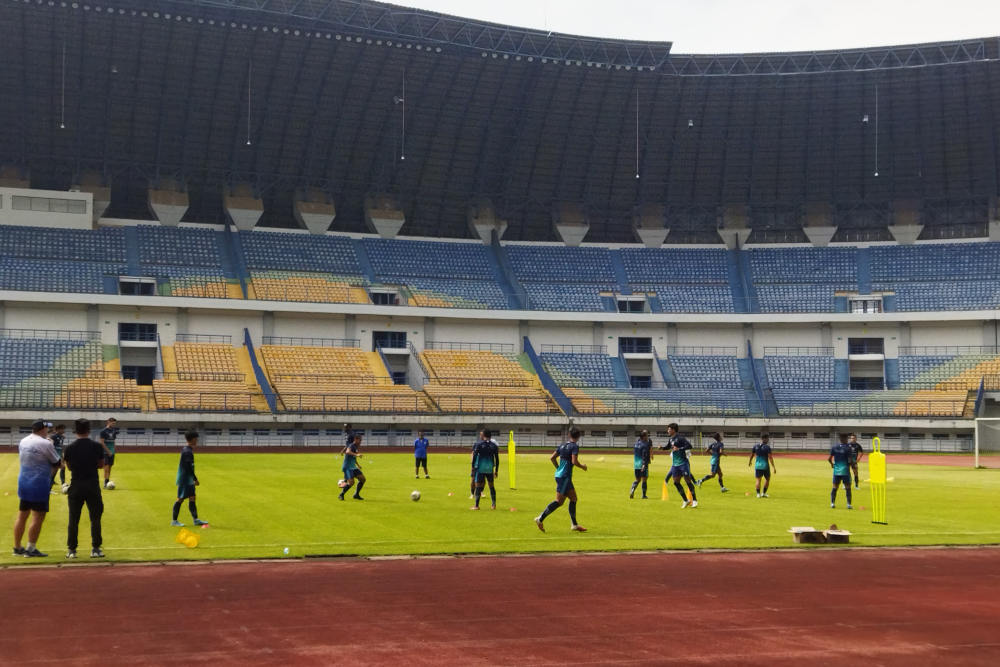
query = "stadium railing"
{"x": 482, "y": 382}
{"x": 798, "y": 351}
{"x": 347, "y": 403}
{"x": 419, "y": 359}
{"x": 318, "y": 378}
{"x": 203, "y": 338}
{"x": 76, "y": 399}
{"x": 548, "y": 348}
{"x": 500, "y": 348}
{"x": 50, "y": 334}
{"x": 651, "y": 407}
{"x": 702, "y": 351}
{"x": 946, "y": 350}
{"x": 634, "y": 347}
{"x": 900, "y": 408}
{"x": 310, "y": 342}
{"x": 202, "y": 376}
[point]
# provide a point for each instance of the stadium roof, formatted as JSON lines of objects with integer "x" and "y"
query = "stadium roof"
{"x": 356, "y": 97}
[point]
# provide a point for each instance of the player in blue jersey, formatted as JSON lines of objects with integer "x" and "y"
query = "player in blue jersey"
{"x": 352, "y": 471}
{"x": 107, "y": 438}
{"x": 420, "y": 454}
{"x": 762, "y": 460}
{"x": 186, "y": 481}
{"x": 565, "y": 458}
{"x": 840, "y": 460}
{"x": 486, "y": 463}
{"x": 642, "y": 456}
{"x": 680, "y": 468}
{"x": 715, "y": 451}
{"x": 857, "y": 451}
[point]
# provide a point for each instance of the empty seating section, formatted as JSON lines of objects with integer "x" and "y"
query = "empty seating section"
{"x": 579, "y": 370}
{"x": 440, "y": 274}
{"x": 207, "y": 378}
{"x": 336, "y": 379}
{"x": 675, "y": 266}
{"x": 40, "y": 370}
{"x": 561, "y": 278}
{"x": 42, "y": 259}
{"x": 802, "y": 372}
{"x": 852, "y": 403}
{"x": 206, "y": 361}
{"x": 689, "y": 298}
{"x": 660, "y": 402}
{"x": 483, "y": 382}
{"x": 197, "y": 281}
{"x": 299, "y": 252}
{"x": 315, "y": 287}
{"x": 960, "y": 370}
{"x": 943, "y": 276}
{"x": 179, "y": 246}
{"x": 705, "y": 370}
{"x": 801, "y": 279}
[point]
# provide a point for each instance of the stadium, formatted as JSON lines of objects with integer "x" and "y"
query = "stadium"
{"x": 266, "y": 219}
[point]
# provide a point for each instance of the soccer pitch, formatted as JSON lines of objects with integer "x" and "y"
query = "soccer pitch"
{"x": 260, "y": 504}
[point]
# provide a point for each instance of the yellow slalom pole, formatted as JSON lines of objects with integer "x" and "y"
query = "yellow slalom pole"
{"x": 665, "y": 493}
{"x": 877, "y": 472}
{"x": 512, "y": 460}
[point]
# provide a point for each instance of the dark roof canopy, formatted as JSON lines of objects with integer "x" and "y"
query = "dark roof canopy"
{"x": 356, "y": 97}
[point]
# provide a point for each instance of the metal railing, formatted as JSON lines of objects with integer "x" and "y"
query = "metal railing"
{"x": 323, "y": 379}
{"x": 481, "y": 382}
{"x": 946, "y": 350}
{"x": 866, "y": 347}
{"x": 204, "y": 401}
{"x": 76, "y": 399}
{"x": 796, "y": 351}
{"x": 202, "y": 376}
{"x": 501, "y": 348}
{"x": 333, "y": 293}
{"x": 138, "y": 336}
{"x": 702, "y": 351}
{"x": 203, "y": 338}
{"x": 49, "y": 334}
{"x": 310, "y": 342}
{"x": 574, "y": 349}
{"x": 354, "y": 404}
{"x": 649, "y": 407}
{"x": 875, "y": 408}
{"x": 634, "y": 347}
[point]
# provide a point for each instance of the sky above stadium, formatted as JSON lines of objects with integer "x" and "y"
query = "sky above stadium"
{"x": 742, "y": 26}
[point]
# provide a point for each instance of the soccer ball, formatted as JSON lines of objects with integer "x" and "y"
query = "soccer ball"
{"x": 415, "y": 496}
{"x": 110, "y": 485}
{"x": 65, "y": 489}
{"x": 341, "y": 483}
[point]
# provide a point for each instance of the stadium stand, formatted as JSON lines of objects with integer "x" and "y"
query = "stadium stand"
{"x": 806, "y": 371}
{"x": 206, "y": 377}
{"x": 483, "y": 382}
{"x": 60, "y": 260}
{"x": 320, "y": 376}
{"x": 801, "y": 280}
{"x": 186, "y": 261}
{"x": 684, "y": 281}
{"x": 704, "y": 370}
{"x": 947, "y": 368}
{"x": 940, "y": 276}
{"x": 301, "y": 286}
{"x": 562, "y": 278}
{"x": 579, "y": 370}
{"x": 660, "y": 401}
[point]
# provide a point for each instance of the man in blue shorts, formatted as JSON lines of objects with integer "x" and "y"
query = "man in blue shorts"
{"x": 420, "y": 454}
{"x": 857, "y": 451}
{"x": 840, "y": 461}
{"x": 680, "y": 469}
{"x": 642, "y": 456}
{"x": 352, "y": 471}
{"x": 108, "y": 437}
{"x": 714, "y": 450}
{"x": 187, "y": 480}
{"x": 486, "y": 463}
{"x": 38, "y": 461}
{"x": 763, "y": 463}
{"x": 565, "y": 458}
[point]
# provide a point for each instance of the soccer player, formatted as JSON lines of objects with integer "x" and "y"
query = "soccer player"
{"x": 568, "y": 457}
{"x": 187, "y": 480}
{"x": 642, "y": 456}
{"x": 839, "y": 459}
{"x": 58, "y": 437}
{"x": 763, "y": 463}
{"x": 85, "y": 457}
{"x": 108, "y": 437}
{"x": 714, "y": 450}
{"x": 857, "y": 452}
{"x": 486, "y": 463}
{"x": 38, "y": 461}
{"x": 352, "y": 471}
{"x": 680, "y": 469}
{"x": 420, "y": 454}
{"x": 348, "y": 434}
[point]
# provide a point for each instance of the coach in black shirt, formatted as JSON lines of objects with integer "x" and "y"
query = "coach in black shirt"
{"x": 84, "y": 458}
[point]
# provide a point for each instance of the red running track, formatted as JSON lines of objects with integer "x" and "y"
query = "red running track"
{"x": 811, "y": 606}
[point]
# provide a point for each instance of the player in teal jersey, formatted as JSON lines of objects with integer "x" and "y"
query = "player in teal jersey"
{"x": 352, "y": 471}
{"x": 763, "y": 463}
{"x": 857, "y": 451}
{"x": 715, "y": 451}
{"x": 186, "y": 481}
{"x": 840, "y": 460}
{"x": 565, "y": 458}
{"x": 642, "y": 457}
{"x": 680, "y": 468}
{"x": 486, "y": 464}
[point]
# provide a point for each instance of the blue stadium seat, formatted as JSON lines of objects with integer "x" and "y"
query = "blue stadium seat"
{"x": 179, "y": 246}
{"x": 797, "y": 280}
{"x": 579, "y": 370}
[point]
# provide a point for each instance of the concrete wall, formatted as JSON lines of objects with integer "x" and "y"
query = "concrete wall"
{"x": 47, "y": 218}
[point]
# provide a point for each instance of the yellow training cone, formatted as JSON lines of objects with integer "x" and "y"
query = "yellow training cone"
{"x": 187, "y": 538}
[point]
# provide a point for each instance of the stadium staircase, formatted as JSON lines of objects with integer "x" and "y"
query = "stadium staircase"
{"x": 618, "y": 265}
{"x": 737, "y": 285}
{"x": 234, "y": 265}
{"x": 258, "y": 371}
{"x": 655, "y": 306}
{"x": 367, "y": 270}
{"x": 558, "y": 395}
{"x": 667, "y": 371}
{"x": 132, "y": 253}
{"x": 864, "y": 271}
{"x": 504, "y": 277}
{"x": 749, "y": 291}
{"x": 892, "y": 373}
{"x": 841, "y": 374}
{"x": 621, "y": 374}
{"x": 754, "y": 399}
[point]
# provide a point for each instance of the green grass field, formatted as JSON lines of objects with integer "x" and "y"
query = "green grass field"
{"x": 258, "y": 504}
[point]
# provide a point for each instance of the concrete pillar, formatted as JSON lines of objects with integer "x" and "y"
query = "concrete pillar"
{"x": 314, "y": 209}
{"x": 100, "y": 190}
{"x": 243, "y": 206}
{"x": 3, "y": 323}
{"x": 182, "y": 320}
{"x": 649, "y": 223}
{"x": 483, "y": 221}
{"x": 826, "y": 335}
{"x": 523, "y": 331}
{"x": 93, "y": 318}
{"x": 384, "y": 215}
{"x": 733, "y": 225}
{"x": 571, "y": 222}
{"x": 906, "y": 227}
{"x": 993, "y": 221}
{"x": 267, "y": 324}
{"x": 599, "y": 338}
{"x": 350, "y": 326}
{"x": 168, "y": 199}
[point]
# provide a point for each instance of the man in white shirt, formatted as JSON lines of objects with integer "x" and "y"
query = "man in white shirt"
{"x": 38, "y": 461}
